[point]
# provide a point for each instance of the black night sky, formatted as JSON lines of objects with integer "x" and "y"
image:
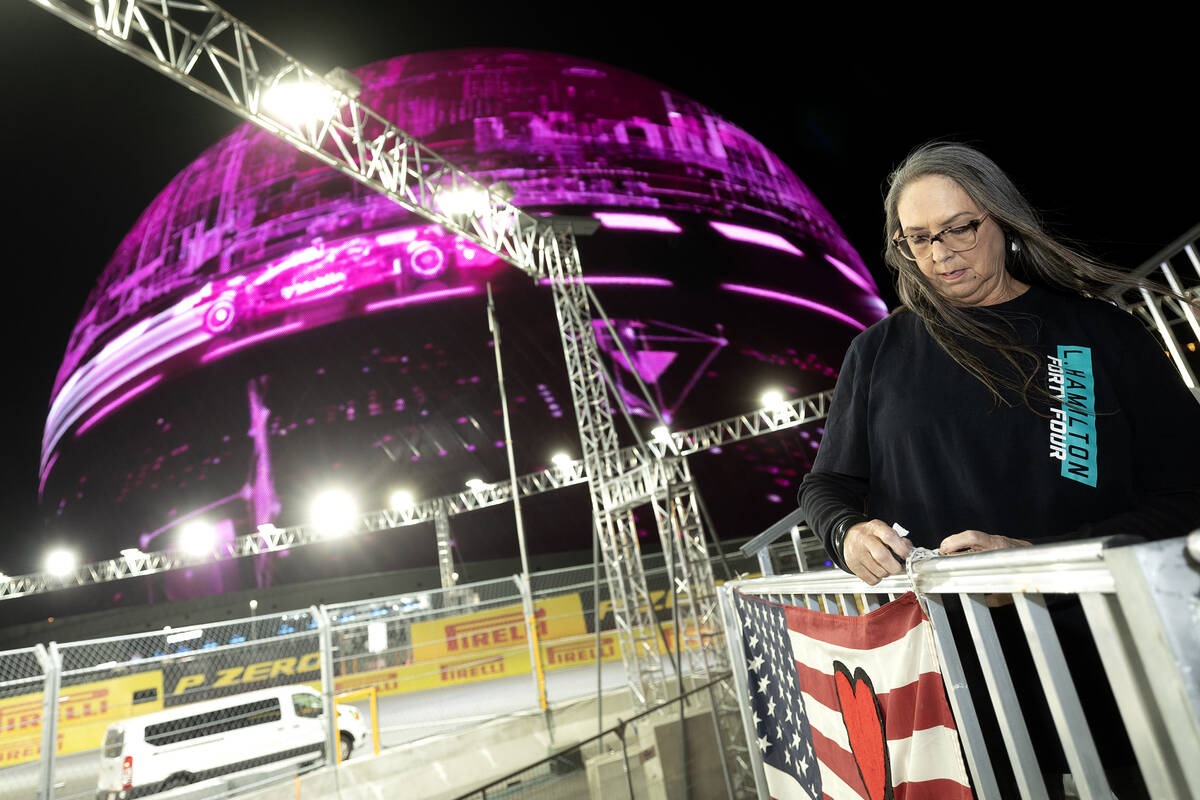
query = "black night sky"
{"x": 1097, "y": 128}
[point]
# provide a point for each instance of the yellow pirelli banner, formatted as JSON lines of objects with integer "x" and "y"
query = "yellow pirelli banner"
{"x": 83, "y": 713}
{"x": 495, "y": 630}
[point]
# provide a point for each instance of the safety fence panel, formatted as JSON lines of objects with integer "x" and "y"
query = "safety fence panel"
{"x": 1069, "y": 669}
{"x": 22, "y": 683}
{"x": 217, "y": 707}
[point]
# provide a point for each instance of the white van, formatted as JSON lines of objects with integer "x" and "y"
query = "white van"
{"x": 265, "y": 729}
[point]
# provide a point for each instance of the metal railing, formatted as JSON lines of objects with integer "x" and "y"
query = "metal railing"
{"x": 1008, "y": 623}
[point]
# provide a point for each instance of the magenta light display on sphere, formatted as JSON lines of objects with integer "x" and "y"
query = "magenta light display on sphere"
{"x": 269, "y": 327}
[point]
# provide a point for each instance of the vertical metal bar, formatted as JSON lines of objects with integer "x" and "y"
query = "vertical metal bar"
{"x": 1130, "y": 683}
{"x": 764, "y": 562}
{"x": 1151, "y": 580}
{"x": 801, "y": 559}
{"x": 737, "y": 661}
{"x": 960, "y": 700}
{"x": 325, "y": 636}
{"x": 1191, "y": 254}
{"x": 625, "y": 758}
{"x": 441, "y": 526}
{"x": 494, "y": 328}
{"x": 1065, "y": 709}
{"x": 1177, "y": 287}
{"x": 1004, "y": 698}
{"x": 849, "y": 606}
{"x": 1164, "y": 330}
{"x": 596, "y": 623}
{"x": 535, "y": 661}
{"x": 51, "y": 663}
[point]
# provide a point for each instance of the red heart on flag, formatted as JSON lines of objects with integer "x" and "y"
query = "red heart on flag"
{"x": 864, "y": 728}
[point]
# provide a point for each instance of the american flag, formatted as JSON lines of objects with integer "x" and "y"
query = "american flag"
{"x": 849, "y": 708}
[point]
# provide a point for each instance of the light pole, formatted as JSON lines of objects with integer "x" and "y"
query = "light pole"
{"x": 253, "y": 621}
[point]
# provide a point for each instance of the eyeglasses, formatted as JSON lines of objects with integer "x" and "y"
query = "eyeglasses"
{"x": 917, "y": 246}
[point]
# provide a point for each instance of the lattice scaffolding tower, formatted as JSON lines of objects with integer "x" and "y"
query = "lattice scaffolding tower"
{"x": 212, "y": 53}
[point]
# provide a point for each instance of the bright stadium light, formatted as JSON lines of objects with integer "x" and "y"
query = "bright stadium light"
{"x": 197, "y": 538}
{"x": 772, "y": 398}
{"x": 296, "y": 103}
{"x": 661, "y": 434}
{"x": 401, "y": 500}
{"x": 463, "y": 202}
{"x": 561, "y": 460}
{"x": 132, "y": 552}
{"x": 476, "y": 485}
{"x": 334, "y": 512}
{"x": 60, "y": 562}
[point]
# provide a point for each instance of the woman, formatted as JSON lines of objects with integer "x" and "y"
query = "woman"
{"x": 1002, "y": 405}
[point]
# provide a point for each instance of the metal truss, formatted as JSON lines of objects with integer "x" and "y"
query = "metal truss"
{"x": 217, "y": 56}
{"x": 1177, "y": 266}
{"x": 199, "y": 44}
{"x": 697, "y": 608}
{"x": 634, "y": 487}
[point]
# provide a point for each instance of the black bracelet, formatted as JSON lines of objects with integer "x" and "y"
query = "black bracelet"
{"x": 838, "y": 538}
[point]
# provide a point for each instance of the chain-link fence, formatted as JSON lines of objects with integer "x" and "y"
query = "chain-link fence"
{"x": 227, "y": 706}
{"x": 22, "y": 695}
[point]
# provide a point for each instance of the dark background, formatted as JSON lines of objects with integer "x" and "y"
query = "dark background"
{"x": 1094, "y": 119}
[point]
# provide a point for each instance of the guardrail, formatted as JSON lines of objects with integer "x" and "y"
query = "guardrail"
{"x": 1051, "y": 610}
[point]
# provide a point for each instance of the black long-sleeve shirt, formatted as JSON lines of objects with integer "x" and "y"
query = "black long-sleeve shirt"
{"x": 913, "y": 438}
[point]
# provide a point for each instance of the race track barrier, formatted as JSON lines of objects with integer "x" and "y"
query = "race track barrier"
{"x": 378, "y": 647}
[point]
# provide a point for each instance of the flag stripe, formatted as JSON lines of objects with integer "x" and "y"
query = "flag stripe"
{"x": 838, "y": 760}
{"x": 917, "y": 706}
{"x": 932, "y": 790}
{"x": 925, "y": 755}
{"x": 880, "y": 663}
{"x": 781, "y": 786}
{"x": 882, "y": 626}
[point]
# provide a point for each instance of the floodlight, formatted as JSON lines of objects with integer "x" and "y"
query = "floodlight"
{"x": 401, "y": 500}
{"x": 661, "y": 434}
{"x": 466, "y": 201}
{"x": 60, "y": 562}
{"x": 475, "y": 485}
{"x": 132, "y": 552}
{"x": 772, "y": 398}
{"x": 334, "y": 512}
{"x": 253, "y": 604}
{"x": 197, "y": 538}
{"x": 345, "y": 81}
{"x": 561, "y": 460}
{"x": 296, "y": 103}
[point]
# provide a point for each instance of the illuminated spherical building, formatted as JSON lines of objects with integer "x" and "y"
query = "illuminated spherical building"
{"x": 269, "y": 327}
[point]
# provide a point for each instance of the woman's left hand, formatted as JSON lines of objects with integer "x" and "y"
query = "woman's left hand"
{"x": 964, "y": 542}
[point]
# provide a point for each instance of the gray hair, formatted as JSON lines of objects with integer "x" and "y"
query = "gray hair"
{"x": 1042, "y": 260}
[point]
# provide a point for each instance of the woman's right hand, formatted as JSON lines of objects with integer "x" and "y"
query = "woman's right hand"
{"x": 871, "y": 550}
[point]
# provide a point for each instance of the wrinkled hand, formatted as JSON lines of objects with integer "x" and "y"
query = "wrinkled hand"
{"x": 873, "y": 550}
{"x": 964, "y": 542}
